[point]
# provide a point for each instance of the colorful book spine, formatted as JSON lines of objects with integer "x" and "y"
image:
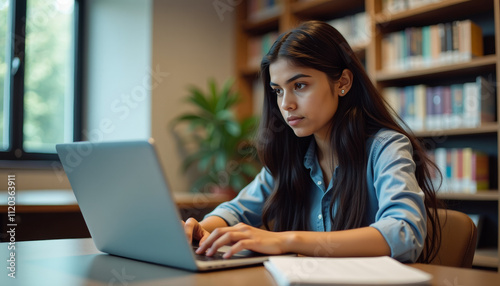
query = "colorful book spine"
{"x": 396, "y": 6}
{"x": 457, "y": 106}
{"x": 471, "y": 40}
{"x": 486, "y": 93}
{"x": 262, "y": 9}
{"x": 463, "y": 170}
{"x": 447, "y": 108}
{"x": 258, "y": 46}
{"x": 353, "y": 28}
{"x": 467, "y": 170}
{"x": 440, "y": 158}
{"x": 460, "y": 105}
{"x": 480, "y": 172}
{"x": 420, "y": 107}
{"x": 443, "y": 43}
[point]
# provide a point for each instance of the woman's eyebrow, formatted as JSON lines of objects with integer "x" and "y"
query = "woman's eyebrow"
{"x": 297, "y": 76}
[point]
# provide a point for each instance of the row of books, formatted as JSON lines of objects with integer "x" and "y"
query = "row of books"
{"x": 258, "y": 46}
{"x": 257, "y": 97}
{"x": 355, "y": 28}
{"x": 461, "y": 105}
{"x": 260, "y": 9}
{"x": 463, "y": 170}
{"x": 419, "y": 47}
{"x": 394, "y": 6}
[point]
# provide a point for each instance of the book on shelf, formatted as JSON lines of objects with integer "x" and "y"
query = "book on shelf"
{"x": 354, "y": 28}
{"x": 460, "y": 105}
{"x": 428, "y": 46}
{"x": 434, "y": 104}
{"x": 258, "y": 46}
{"x": 457, "y": 106}
{"x": 257, "y": 96}
{"x": 463, "y": 170}
{"x": 479, "y": 102}
{"x": 261, "y": 9}
{"x": 395, "y": 6}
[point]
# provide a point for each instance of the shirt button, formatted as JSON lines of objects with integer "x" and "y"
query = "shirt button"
{"x": 319, "y": 183}
{"x": 320, "y": 216}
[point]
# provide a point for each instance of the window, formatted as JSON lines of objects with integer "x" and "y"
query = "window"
{"x": 4, "y": 15}
{"x": 39, "y": 77}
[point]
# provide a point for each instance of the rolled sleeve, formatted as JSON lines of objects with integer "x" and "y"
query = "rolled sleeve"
{"x": 247, "y": 206}
{"x": 401, "y": 216}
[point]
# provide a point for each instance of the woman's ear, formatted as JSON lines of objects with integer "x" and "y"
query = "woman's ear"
{"x": 345, "y": 82}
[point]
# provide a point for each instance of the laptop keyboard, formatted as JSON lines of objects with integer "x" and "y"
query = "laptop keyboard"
{"x": 217, "y": 256}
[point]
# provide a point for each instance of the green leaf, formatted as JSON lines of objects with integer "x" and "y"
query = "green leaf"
{"x": 233, "y": 100}
{"x": 227, "y": 98}
{"x": 190, "y": 160}
{"x": 226, "y": 88}
{"x": 203, "y": 183}
{"x": 220, "y": 161}
{"x": 249, "y": 124}
{"x": 189, "y": 118}
{"x": 224, "y": 115}
{"x": 205, "y": 162}
{"x": 199, "y": 100}
{"x": 213, "y": 95}
{"x": 233, "y": 128}
{"x": 249, "y": 169}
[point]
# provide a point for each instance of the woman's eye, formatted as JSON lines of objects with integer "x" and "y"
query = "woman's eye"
{"x": 277, "y": 91}
{"x": 299, "y": 85}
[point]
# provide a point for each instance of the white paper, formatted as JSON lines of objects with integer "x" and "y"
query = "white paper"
{"x": 340, "y": 271}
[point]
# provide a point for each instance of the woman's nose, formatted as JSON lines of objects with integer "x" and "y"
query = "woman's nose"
{"x": 288, "y": 101}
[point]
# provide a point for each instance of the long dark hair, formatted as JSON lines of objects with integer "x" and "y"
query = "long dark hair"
{"x": 361, "y": 114}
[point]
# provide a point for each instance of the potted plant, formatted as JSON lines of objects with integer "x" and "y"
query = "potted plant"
{"x": 224, "y": 155}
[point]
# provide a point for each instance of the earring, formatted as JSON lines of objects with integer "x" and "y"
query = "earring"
{"x": 342, "y": 91}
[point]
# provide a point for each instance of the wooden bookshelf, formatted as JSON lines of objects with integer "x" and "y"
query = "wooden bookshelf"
{"x": 324, "y": 8}
{"x": 487, "y": 128}
{"x": 263, "y": 24}
{"x": 446, "y": 10}
{"x": 293, "y": 12}
{"x": 478, "y": 65}
{"x": 488, "y": 64}
{"x": 486, "y": 258}
{"x": 489, "y": 195}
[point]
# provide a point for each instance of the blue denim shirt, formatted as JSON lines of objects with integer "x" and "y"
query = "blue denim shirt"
{"x": 395, "y": 200}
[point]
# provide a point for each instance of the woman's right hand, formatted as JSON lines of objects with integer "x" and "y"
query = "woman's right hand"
{"x": 194, "y": 230}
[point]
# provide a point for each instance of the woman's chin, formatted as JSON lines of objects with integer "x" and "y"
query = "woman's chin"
{"x": 301, "y": 133}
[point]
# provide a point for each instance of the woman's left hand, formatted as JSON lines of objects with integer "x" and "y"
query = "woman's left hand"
{"x": 243, "y": 236}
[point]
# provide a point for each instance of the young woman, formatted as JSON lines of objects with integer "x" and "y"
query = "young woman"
{"x": 341, "y": 177}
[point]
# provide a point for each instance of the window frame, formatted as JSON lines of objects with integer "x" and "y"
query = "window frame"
{"x": 15, "y": 82}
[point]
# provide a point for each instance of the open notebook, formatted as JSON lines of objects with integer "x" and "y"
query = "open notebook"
{"x": 343, "y": 271}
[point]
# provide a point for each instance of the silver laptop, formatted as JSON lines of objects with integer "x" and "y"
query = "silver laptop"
{"x": 128, "y": 207}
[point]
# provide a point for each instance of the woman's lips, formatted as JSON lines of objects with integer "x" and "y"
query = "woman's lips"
{"x": 294, "y": 120}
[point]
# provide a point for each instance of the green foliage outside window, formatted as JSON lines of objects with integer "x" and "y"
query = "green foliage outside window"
{"x": 49, "y": 76}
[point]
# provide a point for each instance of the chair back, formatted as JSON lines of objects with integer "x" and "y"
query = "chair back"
{"x": 458, "y": 239}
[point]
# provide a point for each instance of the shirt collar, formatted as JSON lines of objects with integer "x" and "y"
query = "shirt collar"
{"x": 310, "y": 156}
